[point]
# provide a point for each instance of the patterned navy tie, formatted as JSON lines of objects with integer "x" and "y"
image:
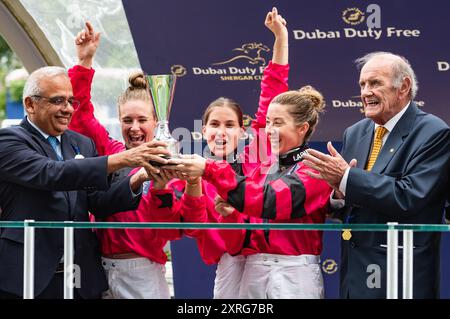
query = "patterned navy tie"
{"x": 54, "y": 143}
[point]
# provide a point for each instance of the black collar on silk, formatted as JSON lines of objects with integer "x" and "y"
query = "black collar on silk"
{"x": 293, "y": 156}
{"x": 230, "y": 158}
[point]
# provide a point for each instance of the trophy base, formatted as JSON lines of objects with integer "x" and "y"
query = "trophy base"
{"x": 157, "y": 164}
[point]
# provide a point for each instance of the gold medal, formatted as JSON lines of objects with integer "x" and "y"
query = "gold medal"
{"x": 346, "y": 234}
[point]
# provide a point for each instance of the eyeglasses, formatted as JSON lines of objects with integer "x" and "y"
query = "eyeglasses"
{"x": 59, "y": 100}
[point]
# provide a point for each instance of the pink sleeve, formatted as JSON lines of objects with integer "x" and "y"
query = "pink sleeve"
{"x": 161, "y": 206}
{"x": 83, "y": 119}
{"x": 274, "y": 82}
{"x": 194, "y": 210}
{"x": 233, "y": 238}
{"x": 289, "y": 196}
{"x": 317, "y": 191}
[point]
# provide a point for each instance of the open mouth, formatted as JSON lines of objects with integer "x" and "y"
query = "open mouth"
{"x": 220, "y": 143}
{"x": 136, "y": 138}
{"x": 63, "y": 119}
{"x": 372, "y": 103}
{"x": 274, "y": 140}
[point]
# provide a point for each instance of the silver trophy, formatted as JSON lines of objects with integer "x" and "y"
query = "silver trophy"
{"x": 162, "y": 88}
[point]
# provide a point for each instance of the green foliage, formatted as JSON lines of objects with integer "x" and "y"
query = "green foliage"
{"x": 16, "y": 90}
{"x": 169, "y": 255}
{"x": 8, "y": 59}
{"x": 8, "y": 62}
{"x": 2, "y": 94}
{"x": 2, "y": 104}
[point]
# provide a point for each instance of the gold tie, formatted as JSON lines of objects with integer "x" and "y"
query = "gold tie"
{"x": 377, "y": 143}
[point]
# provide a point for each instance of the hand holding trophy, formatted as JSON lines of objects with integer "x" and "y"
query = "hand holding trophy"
{"x": 162, "y": 88}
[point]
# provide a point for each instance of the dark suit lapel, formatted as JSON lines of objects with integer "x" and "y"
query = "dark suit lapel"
{"x": 67, "y": 149}
{"x": 364, "y": 145}
{"x": 395, "y": 139}
{"x": 37, "y": 137}
{"x": 68, "y": 152}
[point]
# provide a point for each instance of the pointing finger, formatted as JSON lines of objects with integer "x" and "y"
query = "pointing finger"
{"x": 89, "y": 28}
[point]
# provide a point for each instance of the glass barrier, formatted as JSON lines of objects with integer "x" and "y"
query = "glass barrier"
{"x": 394, "y": 252}
{"x": 280, "y": 226}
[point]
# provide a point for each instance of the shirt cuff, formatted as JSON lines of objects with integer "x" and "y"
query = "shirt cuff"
{"x": 336, "y": 203}
{"x": 138, "y": 193}
{"x": 343, "y": 184}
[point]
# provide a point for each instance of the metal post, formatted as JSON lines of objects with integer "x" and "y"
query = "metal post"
{"x": 408, "y": 264}
{"x": 68, "y": 262}
{"x": 392, "y": 263}
{"x": 28, "y": 261}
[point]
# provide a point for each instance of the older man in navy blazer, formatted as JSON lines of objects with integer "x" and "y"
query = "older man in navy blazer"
{"x": 49, "y": 173}
{"x": 394, "y": 168}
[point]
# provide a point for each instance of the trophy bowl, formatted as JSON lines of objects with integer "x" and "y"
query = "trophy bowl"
{"x": 162, "y": 88}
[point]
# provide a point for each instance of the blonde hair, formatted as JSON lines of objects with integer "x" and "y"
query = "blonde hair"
{"x": 305, "y": 105}
{"x": 137, "y": 90}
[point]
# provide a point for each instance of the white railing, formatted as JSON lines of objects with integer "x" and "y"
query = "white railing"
{"x": 28, "y": 262}
{"x": 392, "y": 262}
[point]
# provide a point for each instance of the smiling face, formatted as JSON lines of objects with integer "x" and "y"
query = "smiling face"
{"x": 381, "y": 100}
{"x": 137, "y": 122}
{"x": 222, "y": 131}
{"x": 283, "y": 132}
{"x": 50, "y": 118}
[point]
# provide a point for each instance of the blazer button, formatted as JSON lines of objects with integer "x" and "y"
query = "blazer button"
{"x": 352, "y": 244}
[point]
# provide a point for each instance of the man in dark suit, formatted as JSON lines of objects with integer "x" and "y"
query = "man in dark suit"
{"x": 49, "y": 173}
{"x": 394, "y": 168}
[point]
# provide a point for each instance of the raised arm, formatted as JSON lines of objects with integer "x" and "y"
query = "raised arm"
{"x": 83, "y": 119}
{"x": 275, "y": 78}
{"x": 274, "y": 82}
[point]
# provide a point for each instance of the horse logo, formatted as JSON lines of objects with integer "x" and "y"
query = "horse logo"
{"x": 248, "y": 51}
